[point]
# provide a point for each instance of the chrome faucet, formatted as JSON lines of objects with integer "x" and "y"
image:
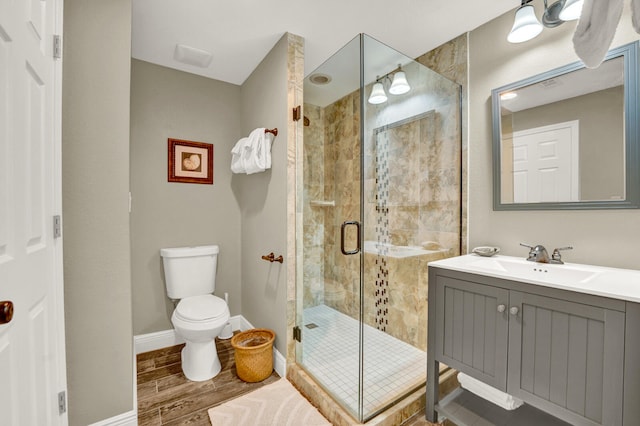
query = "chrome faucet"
{"x": 537, "y": 253}
{"x": 556, "y": 257}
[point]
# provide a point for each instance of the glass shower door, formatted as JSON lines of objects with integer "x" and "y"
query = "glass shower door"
{"x": 329, "y": 300}
{"x": 381, "y": 199}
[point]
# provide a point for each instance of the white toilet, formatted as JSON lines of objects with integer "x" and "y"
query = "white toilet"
{"x": 190, "y": 276}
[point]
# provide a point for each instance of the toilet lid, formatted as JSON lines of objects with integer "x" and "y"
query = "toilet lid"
{"x": 200, "y": 308}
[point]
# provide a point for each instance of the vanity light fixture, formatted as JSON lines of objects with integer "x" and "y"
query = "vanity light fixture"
{"x": 526, "y": 25}
{"x": 508, "y": 96}
{"x": 399, "y": 86}
{"x": 571, "y": 10}
{"x": 377, "y": 96}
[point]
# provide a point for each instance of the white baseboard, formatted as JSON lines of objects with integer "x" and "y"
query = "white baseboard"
{"x": 129, "y": 418}
{"x": 162, "y": 339}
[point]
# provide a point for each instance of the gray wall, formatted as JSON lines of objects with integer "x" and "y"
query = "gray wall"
{"x": 95, "y": 186}
{"x": 166, "y": 103}
{"x": 600, "y": 237}
{"x": 263, "y": 198}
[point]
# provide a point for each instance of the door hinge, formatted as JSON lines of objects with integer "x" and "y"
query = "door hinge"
{"x": 62, "y": 402}
{"x": 57, "y": 46}
{"x": 57, "y": 226}
{"x": 297, "y": 333}
{"x": 297, "y": 113}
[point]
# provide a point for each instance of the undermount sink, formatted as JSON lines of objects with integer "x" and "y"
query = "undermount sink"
{"x": 523, "y": 269}
{"x": 597, "y": 280}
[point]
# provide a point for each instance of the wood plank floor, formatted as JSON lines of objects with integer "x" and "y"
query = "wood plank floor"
{"x": 166, "y": 397}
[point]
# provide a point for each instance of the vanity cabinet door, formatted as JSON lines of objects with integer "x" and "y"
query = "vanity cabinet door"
{"x": 472, "y": 329}
{"x": 567, "y": 358}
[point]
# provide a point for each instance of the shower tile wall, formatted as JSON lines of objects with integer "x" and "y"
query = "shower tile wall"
{"x": 428, "y": 211}
{"x": 450, "y": 60}
{"x": 313, "y": 225}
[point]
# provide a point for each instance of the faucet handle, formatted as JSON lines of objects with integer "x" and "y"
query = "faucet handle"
{"x": 526, "y": 245}
{"x": 556, "y": 257}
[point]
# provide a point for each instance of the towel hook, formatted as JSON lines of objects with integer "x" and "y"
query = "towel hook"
{"x": 273, "y": 131}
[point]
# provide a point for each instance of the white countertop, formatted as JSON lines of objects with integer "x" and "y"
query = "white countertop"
{"x": 623, "y": 284}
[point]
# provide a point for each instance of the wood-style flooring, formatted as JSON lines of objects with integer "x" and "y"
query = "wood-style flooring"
{"x": 166, "y": 397}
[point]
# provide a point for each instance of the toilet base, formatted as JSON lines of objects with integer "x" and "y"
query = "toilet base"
{"x": 200, "y": 361}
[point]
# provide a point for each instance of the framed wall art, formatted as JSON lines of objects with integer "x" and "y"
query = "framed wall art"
{"x": 190, "y": 162}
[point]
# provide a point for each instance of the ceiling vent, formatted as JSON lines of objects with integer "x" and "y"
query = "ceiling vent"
{"x": 192, "y": 56}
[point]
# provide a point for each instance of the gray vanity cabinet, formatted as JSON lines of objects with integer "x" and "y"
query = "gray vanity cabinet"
{"x": 560, "y": 352}
{"x": 471, "y": 332}
{"x": 566, "y": 358}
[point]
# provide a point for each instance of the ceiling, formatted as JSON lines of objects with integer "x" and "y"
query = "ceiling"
{"x": 240, "y": 33}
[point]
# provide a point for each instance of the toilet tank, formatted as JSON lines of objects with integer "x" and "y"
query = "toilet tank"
{"x": 190, "y": 271}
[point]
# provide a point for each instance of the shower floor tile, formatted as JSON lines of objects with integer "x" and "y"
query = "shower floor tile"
{"x": 330, "y": 353}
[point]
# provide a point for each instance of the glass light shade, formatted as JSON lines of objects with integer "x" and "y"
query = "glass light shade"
{"x": 571, "y": 10}
{"x": 526, "y": 26}
{"x": 377, "y": 95}
{"x": 400, "y": 84}
{"x": 506, "y": 96}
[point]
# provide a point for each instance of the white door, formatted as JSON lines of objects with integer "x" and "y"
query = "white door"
{"x": 546, "y": 164}
{"x": 32, "y": 357}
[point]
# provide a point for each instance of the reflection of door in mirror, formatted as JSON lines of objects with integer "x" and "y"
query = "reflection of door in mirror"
{"x": 533, "y": 149}
{"x": 542, "y": 164}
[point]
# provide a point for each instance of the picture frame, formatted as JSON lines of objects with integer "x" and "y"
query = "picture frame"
{"x": 190, "y": 162}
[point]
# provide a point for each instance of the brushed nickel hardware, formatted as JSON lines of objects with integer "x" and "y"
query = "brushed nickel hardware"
{"x": 556, "y": 257}
{"x": 514, "y": 310}
{"x": 501, "y": 308}
{"x": 537, "y": 253}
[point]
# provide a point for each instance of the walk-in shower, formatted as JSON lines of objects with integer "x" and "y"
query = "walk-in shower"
{"x": 380, "y": 199}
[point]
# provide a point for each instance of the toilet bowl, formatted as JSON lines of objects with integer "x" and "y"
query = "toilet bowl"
{"x": 199, "y": 316}
{"x": 199, "y": 320}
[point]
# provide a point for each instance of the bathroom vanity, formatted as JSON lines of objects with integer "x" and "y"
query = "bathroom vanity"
{"x": 565, "y": 339}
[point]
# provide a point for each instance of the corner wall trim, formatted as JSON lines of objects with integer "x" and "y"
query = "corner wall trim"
{"x": 162, "y": 339}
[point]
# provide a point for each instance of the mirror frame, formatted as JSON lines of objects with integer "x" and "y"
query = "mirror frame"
{"x": 632, "y": 145}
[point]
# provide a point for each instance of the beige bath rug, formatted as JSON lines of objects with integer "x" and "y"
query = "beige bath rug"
{"x": 276, "y": 404}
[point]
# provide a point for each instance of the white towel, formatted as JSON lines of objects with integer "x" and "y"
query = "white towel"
{"x": 258, "y": 157}
{"x": 236, "y": 156}
{"x": 491, "y": 394}
{"x": 635, "y": 14}
{"x": 595, "y": 30}
{"x": 252, "y": 154}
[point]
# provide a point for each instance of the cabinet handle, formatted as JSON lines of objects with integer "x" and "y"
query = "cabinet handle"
{"x": 501, "y": 308}
{"x": 514, "y": 310}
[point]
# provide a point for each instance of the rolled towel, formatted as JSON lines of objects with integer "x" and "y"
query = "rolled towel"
{"x": 491, "y": 394}
{"x": 595, "y": 30}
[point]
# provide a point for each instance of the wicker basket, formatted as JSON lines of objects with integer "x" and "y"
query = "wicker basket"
{"x": 254, "y": 354}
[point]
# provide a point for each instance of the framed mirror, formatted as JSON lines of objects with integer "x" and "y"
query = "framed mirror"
{"x": 568, "y": 138}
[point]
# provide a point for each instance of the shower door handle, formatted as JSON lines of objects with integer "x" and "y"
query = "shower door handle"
{"x": 342, "y": 233}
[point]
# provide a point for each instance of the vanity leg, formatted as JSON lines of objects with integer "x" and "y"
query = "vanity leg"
{"x": 432, "y": 389}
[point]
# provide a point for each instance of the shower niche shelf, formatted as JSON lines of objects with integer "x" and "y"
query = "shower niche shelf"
{"x": 323, "y": 203}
